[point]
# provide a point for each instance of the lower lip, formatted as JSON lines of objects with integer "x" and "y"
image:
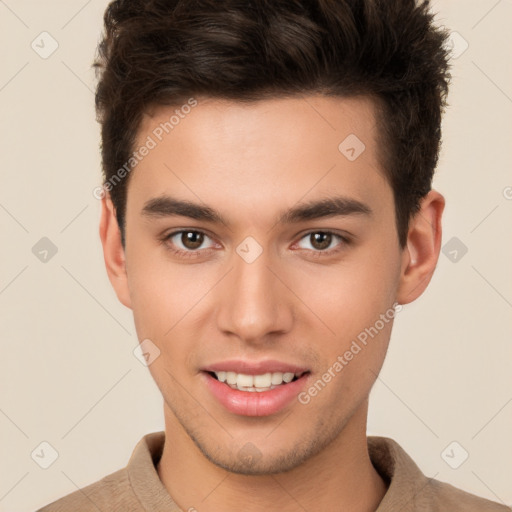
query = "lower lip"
{"x": 256, "y": 403}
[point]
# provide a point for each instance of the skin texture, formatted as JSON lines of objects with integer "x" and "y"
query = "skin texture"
{"x": 251, "y": 162}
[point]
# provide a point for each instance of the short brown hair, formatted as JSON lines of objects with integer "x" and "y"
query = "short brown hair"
{"x": 161, "y": 52}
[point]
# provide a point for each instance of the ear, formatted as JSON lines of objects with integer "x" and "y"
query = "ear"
{"x": 419, "y": 257}
{"x": 113, "y": 251}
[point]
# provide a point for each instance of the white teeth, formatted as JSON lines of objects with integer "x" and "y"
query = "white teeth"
{"x": 288, "y": 377}
{"x": 231, "y": 377}
{"x": 252, "y": 383}
{"x": 263, "y": 381}
{"x": 277, "y": 378}
{"x": 244, "y": 381}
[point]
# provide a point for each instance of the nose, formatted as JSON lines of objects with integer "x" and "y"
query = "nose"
{"x": 253, "y": 304}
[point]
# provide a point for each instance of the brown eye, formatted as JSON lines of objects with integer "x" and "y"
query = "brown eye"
{"x": 188, "y": 241}
{"x": 323, "y": 242}
{"x": 320, "y": 240}
{"x": 192, "y": 239}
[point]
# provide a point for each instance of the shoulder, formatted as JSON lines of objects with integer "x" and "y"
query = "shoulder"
{"x": 135, "y": 487}
{"x": 409, "y": 487}
{"x": 101, "y": 495}
{"x": 449, "y": 498}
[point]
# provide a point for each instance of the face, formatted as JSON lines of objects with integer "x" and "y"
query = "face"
{"x": 259, "y": 251}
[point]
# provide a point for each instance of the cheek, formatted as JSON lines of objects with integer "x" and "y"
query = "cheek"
{"x": 352, "y": 295}
{"x": 356, "y": 302}
{"x": 164, "y": 301}
{"x": 162, "y": 293}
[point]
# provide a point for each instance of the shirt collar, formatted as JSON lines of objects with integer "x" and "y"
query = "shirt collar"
{"x": 406, "y": 483}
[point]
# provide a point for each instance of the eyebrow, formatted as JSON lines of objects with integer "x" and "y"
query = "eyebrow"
{"x": 339, "y": 206}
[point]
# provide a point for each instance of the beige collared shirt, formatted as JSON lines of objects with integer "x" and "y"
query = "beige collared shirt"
{"x": 137, "y": 487}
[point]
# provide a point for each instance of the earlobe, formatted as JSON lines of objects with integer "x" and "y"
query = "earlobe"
{"x": 113, "y": 251}
{"x": 420, "y": 256}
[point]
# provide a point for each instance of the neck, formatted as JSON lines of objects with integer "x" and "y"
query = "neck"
{"x": 341, "y": 477}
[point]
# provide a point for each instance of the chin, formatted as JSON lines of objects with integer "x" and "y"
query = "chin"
{"x": 251, "y": 460}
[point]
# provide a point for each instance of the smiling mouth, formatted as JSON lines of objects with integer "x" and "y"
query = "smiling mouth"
{"x": 256, "y": 383}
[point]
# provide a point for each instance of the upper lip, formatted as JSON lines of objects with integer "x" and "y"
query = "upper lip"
{"x": 254, "y": 367}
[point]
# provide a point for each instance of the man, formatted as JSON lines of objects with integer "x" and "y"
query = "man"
{"x": 266, "y": 211}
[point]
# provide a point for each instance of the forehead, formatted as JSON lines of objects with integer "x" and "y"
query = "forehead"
{"x": 260, "y": 153}
{"x": 243, "y": 126}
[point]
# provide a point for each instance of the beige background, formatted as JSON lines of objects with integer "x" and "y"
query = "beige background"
{"x": 68, "y": 375}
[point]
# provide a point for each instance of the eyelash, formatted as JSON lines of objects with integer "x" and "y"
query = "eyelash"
{"x": 194, "y": 254}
